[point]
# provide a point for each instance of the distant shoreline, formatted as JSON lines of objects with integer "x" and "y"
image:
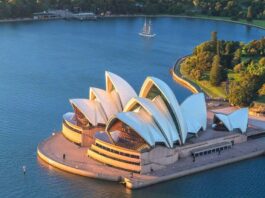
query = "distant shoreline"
{"x": 25, "y": 19}
{"x": 191, "y": 17}
{"x": 142, "y": 15}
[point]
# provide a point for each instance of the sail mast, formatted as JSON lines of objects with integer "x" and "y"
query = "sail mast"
{"x": 149, "y": 27}
{"x": 145, "y": 26}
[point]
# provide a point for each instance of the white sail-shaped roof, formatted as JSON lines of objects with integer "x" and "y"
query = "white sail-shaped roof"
{"x": 235, "y": 120}
{"x": 170, "y": 99}
{"x": 155, "y": 115}
{"x": 143, "y": 125}
{"x": 225, "y": 120}
{"x": 158, "y": 101}
{"x": 92, "y": 110}
{"x": 70, "y": 117}
{"x": 107, "y": 100}
{"x": 167, "y": 129}
{"x": 194, "y": 112}
{"x": 122, "y": 87}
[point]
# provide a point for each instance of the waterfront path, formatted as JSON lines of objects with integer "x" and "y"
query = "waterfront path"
{"x": 77, "y": 162}
{"x": 186, "y": 166}
{"x": 177, "y": 76}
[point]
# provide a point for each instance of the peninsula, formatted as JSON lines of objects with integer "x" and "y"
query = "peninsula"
{"x": 141, "y": 140}
{"x": 229, "y": 70}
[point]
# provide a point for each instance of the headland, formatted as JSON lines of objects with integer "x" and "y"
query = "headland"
{"x": 77, "y": 162}
{"x": 142, "y": 145}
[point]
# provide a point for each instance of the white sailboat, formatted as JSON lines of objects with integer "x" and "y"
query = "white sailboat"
{"x": 147, "y": 31}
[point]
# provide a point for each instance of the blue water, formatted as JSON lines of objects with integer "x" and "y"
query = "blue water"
{"x": 43, "y": 64}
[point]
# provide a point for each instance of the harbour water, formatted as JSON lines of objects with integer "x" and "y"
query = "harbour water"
{"x": 43, "y": 64}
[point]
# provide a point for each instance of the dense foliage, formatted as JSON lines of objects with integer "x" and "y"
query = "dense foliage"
{"x": 238, "y": 65}
{"x": 245, "y": 9}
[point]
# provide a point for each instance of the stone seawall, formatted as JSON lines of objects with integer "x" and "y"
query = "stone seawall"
{"x": 176, "y": 75}
{"x": 76, "y": 162}
{"x": 46, "y": 152}
{"x": 184, "y": 83}
{"x": 136, "y": 184}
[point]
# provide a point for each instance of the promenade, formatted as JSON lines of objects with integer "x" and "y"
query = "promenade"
{"x": 77, "y": 162}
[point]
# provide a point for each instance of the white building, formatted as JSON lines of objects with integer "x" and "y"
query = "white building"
{"x": 138, "y": 132}
{"x": 233, "y": 121}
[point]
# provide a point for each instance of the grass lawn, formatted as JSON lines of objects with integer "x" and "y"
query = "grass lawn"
{"x": 232, "y": 76}
{"x": 215, "y": 92}
{"x": 260, "y": 23}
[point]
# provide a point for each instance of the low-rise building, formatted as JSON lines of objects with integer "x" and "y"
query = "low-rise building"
{"x": 84, "y": 16}
{"x": 45, "y": 15}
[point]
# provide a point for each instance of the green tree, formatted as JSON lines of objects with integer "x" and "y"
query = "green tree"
{"x": 256, "y": 69}
{"x": 250, "y": 14}
{"x": 188, "y": 64}
{"x": 215, "y": 73}
{"x": 218, "y": 8}
{"x": 196, "y": 3}
{"x": 196, "y": 74}
{"x": 218, "y": 48}
{"x": 262, "y": 90}
{"x": 238, "y": 67}
{"x": 244, "y": 92}
{"x": 204, "y": 60}
{"x": 237, "y": 57}
{"x": 262, "y": 62}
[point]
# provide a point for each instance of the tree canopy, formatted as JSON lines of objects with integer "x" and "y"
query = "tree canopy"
{"x": 216, "y": 73}
{"x": 213, "y": 60}
{"x": 245, "y": 9}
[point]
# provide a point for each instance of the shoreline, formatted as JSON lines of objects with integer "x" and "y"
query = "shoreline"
{"x": 25, "y": 20}
{"x": 186, "y": 83}
{"x": 196, "y": 88}
{"x": 77, "y": 162}
{"x": 196, "y": 170}
{"x": 142, "y": 15}
{"x": 189, "y": 17}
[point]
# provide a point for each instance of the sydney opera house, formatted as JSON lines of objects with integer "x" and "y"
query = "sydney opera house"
{"x": 138, "y": 133}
